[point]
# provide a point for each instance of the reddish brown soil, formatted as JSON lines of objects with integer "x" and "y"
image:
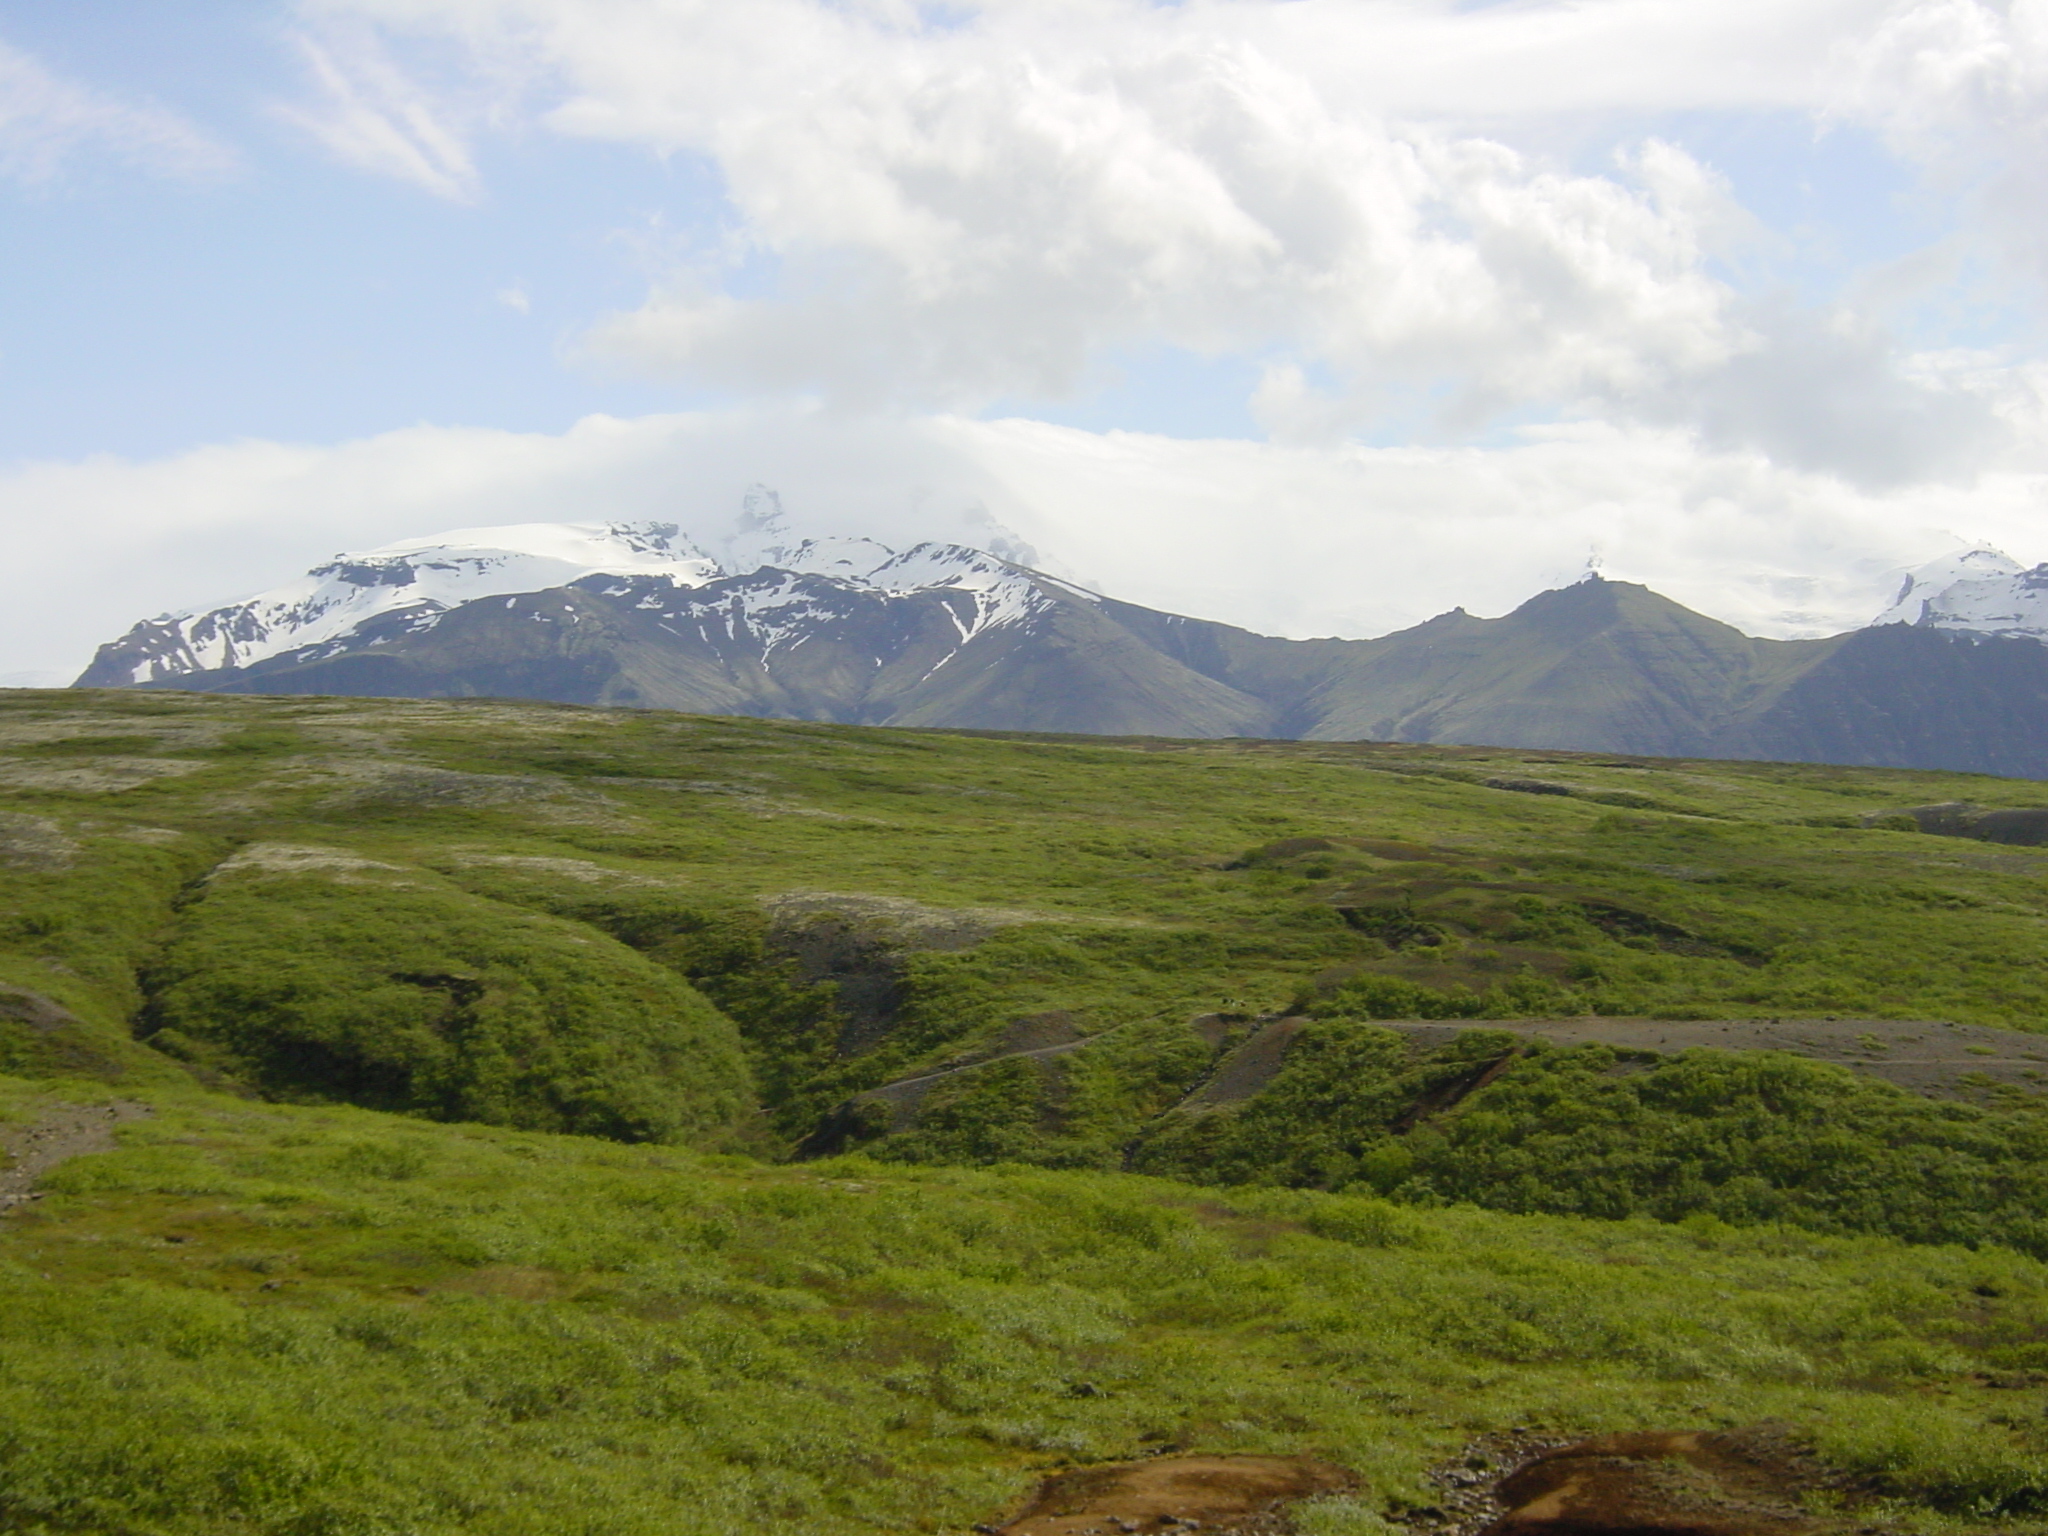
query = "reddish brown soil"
{"x": 1219, "y": 1495}
{"x": 1736, "y": 1483}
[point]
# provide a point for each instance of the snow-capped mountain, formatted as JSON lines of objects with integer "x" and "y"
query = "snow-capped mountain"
{"x": 397, "y": 588}
{"x": 764, "y": 624}
{"x": 358, "y": 601}
{"x": 1979, "y": 591}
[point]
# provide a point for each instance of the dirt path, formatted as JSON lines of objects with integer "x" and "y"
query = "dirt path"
{"x": 906, "y": 1093}
{"x": 62, "y": 1134}
{"x": 1935, "y": 1059}
{"x": 1969, "y": 1062}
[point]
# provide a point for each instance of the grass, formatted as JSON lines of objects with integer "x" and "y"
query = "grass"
{"x": 1751, "y": 1138}
{"x": 1146, "y": 882}
{"x": 280, "y": 1318}
{"x": 388, "y": 992}
{"x": 271, "y": 1312}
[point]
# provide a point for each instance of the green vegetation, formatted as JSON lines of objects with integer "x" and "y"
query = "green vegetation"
{"x": 385, "y": 993}
{"x": 283, "y": 1319}
{"x": 516, "y": 913}
{"x": 1751, "y": 1138}
{"x": 1011, "y": 978}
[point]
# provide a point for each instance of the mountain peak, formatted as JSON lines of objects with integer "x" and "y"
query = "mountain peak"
{"x": 372, "y": 596}
{"x": 1980, "y": 591}
{"x": 406, "y": 584}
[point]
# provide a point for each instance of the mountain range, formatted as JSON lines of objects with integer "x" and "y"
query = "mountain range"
{"x": 1953, "y": 675}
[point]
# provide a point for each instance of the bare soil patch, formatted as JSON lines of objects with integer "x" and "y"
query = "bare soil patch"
{"x": 1249, "y": 1068}
{"x": 1219, "y": 1495}
{"x": 18, "y": 1005}
{"x": 1753, "y": 1482}
{"x": 57, "y": 1137}
{"x": 30, "y": 842}
{"x": 294, "y": 859}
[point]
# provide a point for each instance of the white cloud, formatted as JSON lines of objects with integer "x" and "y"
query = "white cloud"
{"x": 970, "y": 212}
{"x": 48, "y": 122}
{"x": 370, "y": 114}
{"x": 1296, "y": 540}
{"x": 1961, "y": 86}
{"x": 1382, "y": 201}
{"x": 1828, "y": 392}
{"x": 1440, "y": 60}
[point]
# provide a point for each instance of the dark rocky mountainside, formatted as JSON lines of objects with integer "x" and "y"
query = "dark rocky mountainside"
{"x": 1598, "y": 666}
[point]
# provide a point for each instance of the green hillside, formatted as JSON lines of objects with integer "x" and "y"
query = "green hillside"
{"x": 599, "y": 1120}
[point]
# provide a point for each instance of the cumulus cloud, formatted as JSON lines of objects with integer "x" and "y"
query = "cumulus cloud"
{"x": 48, "y": 123}
{"x": 1432, "y": 60}
{"x": 1828, "y": 392}
{"x": 1299, "y": 540}
{"x": 974, "y": 211}
{"x": 1380, "y": 201}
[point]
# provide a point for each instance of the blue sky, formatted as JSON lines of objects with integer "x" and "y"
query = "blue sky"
{"x": 291, "y": 296}
{"x": 1789, "y": 248}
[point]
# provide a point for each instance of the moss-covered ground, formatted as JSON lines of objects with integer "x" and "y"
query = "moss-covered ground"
{"x": 700, "y": 939}
{"x": 1146, "y": 867}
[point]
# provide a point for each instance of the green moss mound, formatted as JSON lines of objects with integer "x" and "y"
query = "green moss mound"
{"x": 432, "y": 1002}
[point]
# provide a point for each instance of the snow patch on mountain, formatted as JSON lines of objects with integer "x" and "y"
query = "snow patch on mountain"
{"x": 1002, "y": 594}
{"x": 778, "y": 608}
{"x": 365, "y": 599}
{"x": 399, "y": 587}
{"x": 1978, "y": 591}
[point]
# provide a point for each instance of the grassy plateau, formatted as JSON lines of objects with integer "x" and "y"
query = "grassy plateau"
{"x": 567, "y": 1120}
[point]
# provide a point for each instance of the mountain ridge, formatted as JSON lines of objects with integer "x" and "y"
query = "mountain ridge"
{"x": 945, "y": 636}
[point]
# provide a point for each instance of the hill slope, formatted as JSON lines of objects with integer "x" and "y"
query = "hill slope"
{"x": 553, "y": 917}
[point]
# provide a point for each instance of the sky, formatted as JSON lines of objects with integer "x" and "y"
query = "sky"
{"x": 1316, "y": 316}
